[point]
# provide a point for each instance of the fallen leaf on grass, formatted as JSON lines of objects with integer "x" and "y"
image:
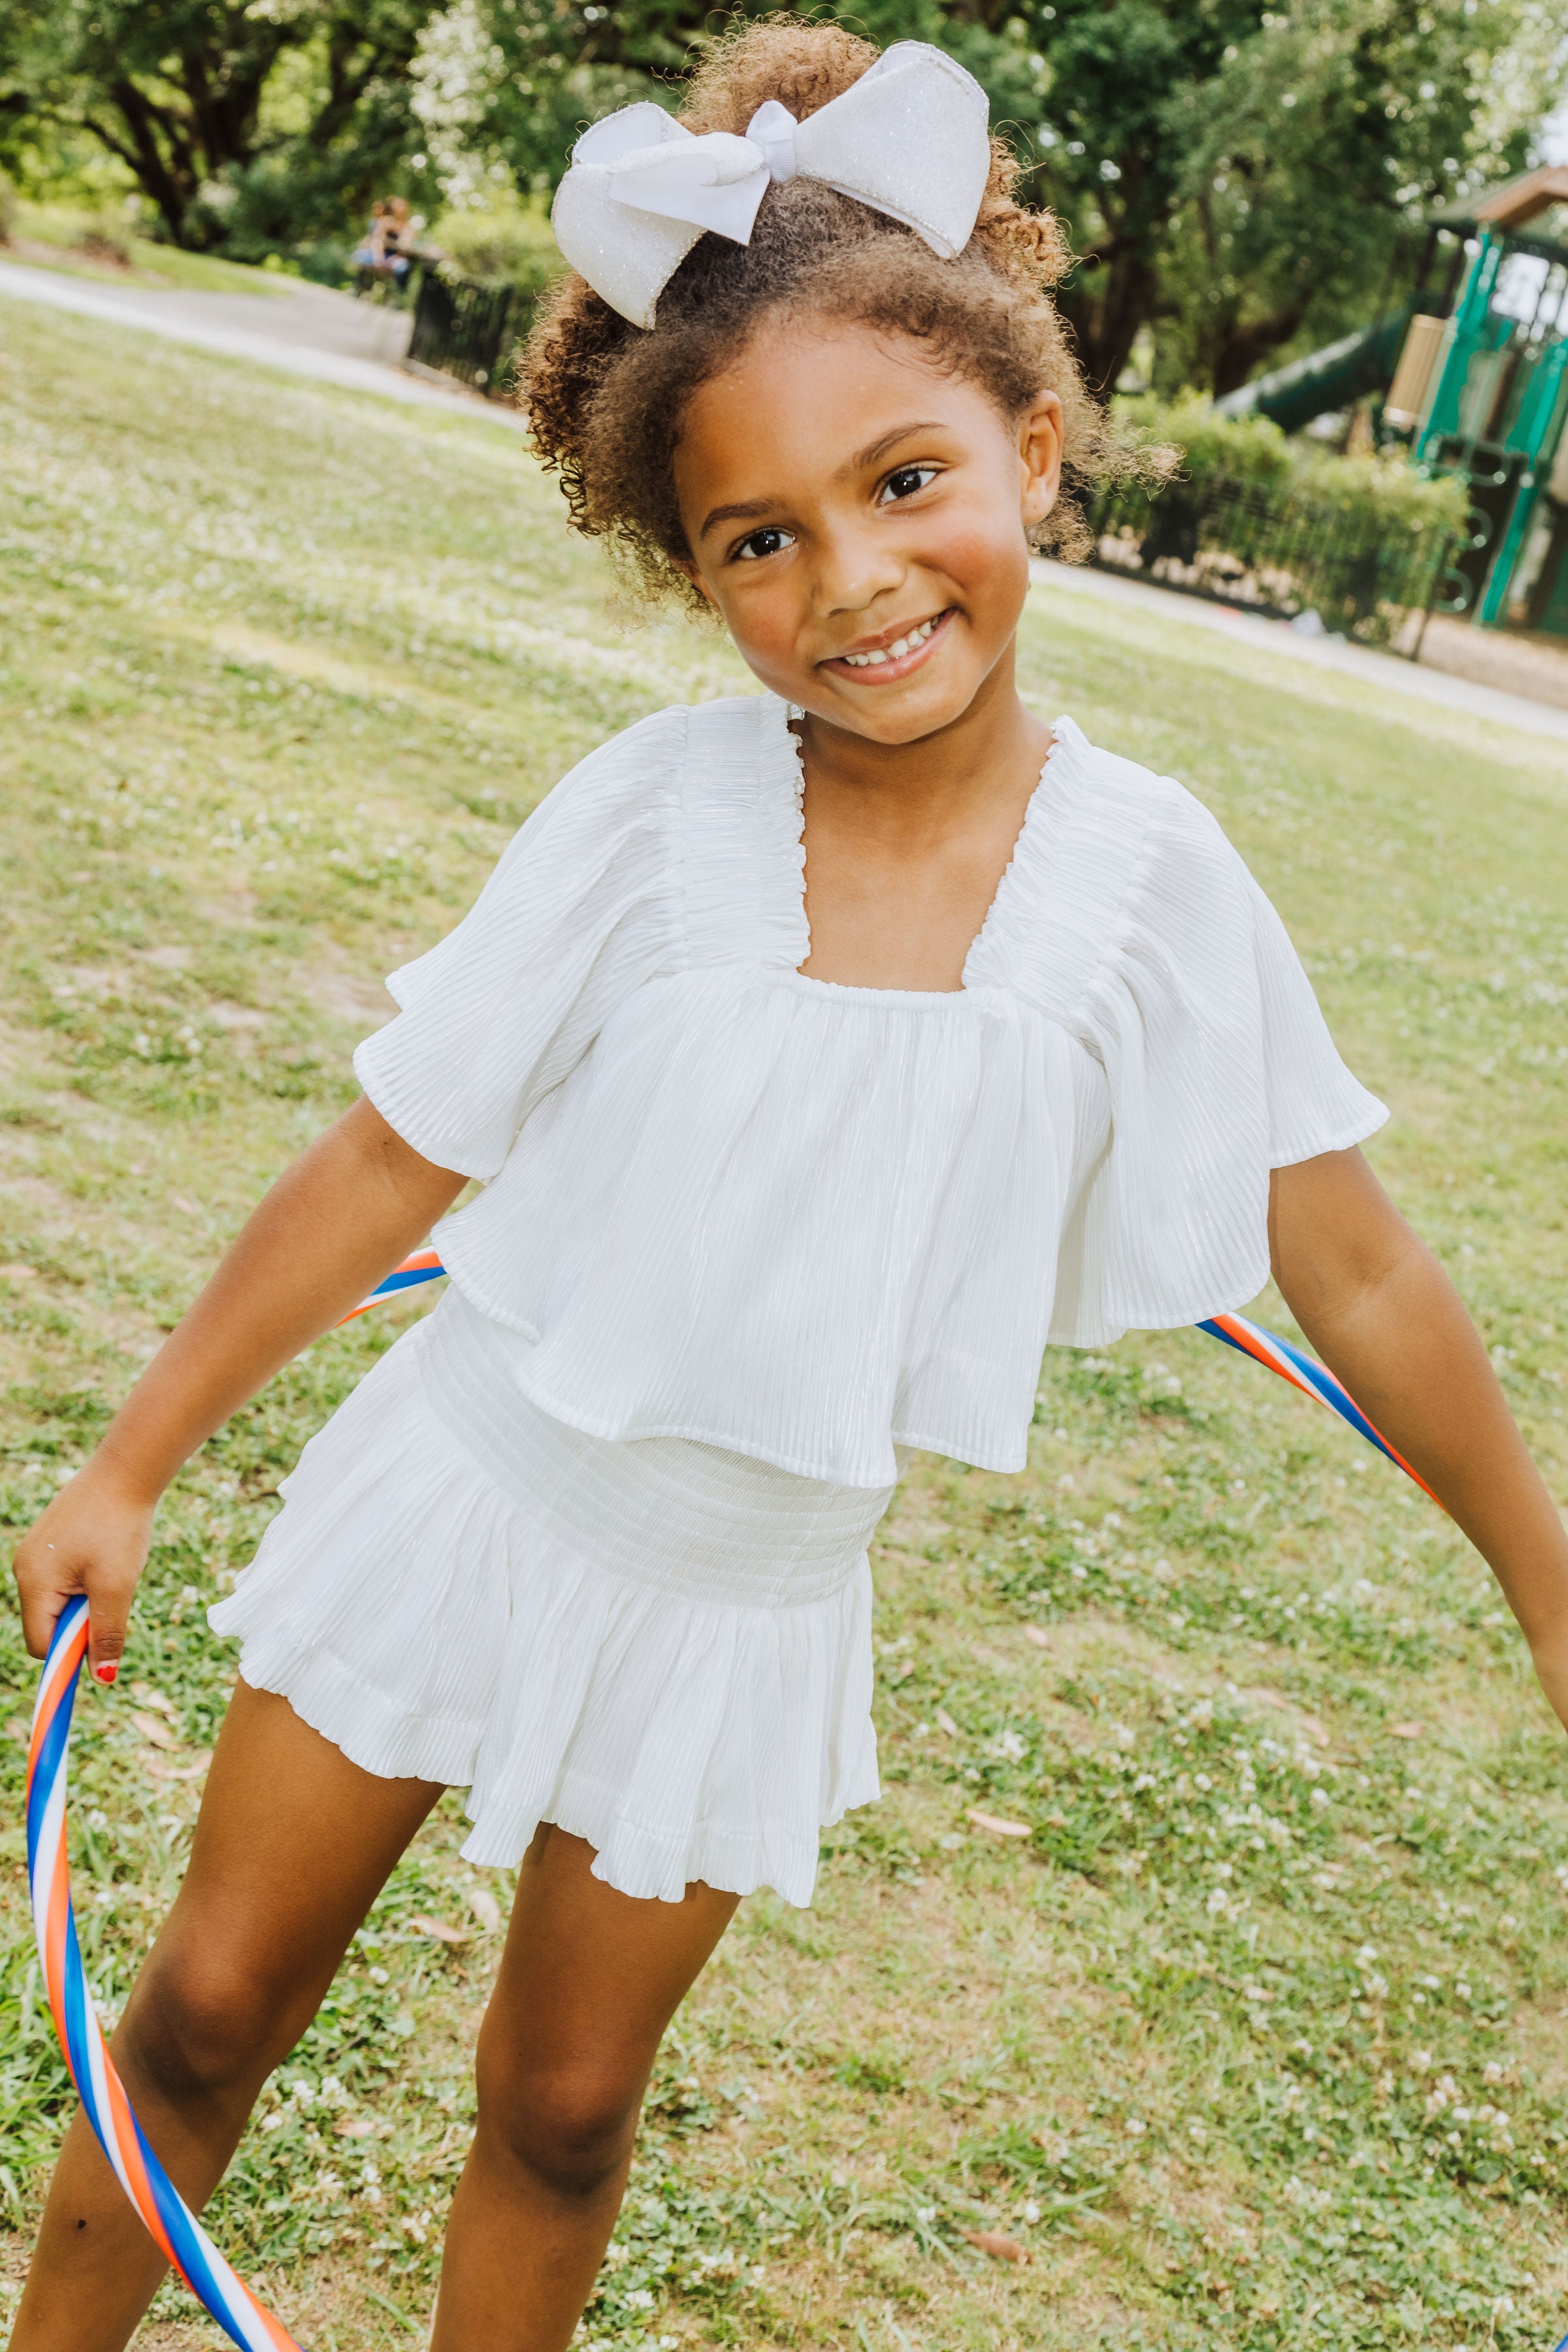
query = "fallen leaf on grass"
{"x": 156, "y": 1699}
{"x": 485, "y": 1909}
{"x": 151, "y": 1728}
{"x": 992, "y": 2242}
{"x": 18, "y": 1274}
{"x": 1406, "y": 1730}
{"x": 1310, "y": 1723}
{"x": 355, "y": 2127}
{"x": 1038, "y": 1636}
{"x": 944, "y": 1722}
{"x": 157, "y": 1770}
{"x": 997, "y": 1826}
{"x": 438, "y": 1929}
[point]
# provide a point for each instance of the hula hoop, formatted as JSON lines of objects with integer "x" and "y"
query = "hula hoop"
{"x": 174, "y": 2229}
{"x": 1265, "y": 1347}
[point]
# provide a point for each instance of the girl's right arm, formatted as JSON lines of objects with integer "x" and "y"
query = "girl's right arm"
{"x": 348, "y": 1211}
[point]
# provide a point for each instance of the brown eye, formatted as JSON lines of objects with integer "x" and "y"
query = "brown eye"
{"x": 906, "y": 482}
{"x": 767, "y": 541}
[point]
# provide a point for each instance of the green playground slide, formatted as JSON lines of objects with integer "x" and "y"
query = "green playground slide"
{"x": 1326, "y": 380}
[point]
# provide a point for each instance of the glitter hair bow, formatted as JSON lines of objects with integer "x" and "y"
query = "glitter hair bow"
{"x": 909, "y": 137}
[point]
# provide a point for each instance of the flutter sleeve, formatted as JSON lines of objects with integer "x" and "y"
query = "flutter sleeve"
{"x": 1219, "y": 1067}
{"x": 579, "y": 912}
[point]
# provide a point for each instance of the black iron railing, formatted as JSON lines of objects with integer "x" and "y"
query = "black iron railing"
{"x": 470, "y": 330}
{"x": 1281, "y": 554}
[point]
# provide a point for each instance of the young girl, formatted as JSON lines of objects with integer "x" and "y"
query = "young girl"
{"x": 823, "y": 1053}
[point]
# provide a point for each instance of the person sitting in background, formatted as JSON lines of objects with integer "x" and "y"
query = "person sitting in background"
{"x": 391, "y": 245}
{"x": 369, "y": 257}
{"x": 400, "y": 240}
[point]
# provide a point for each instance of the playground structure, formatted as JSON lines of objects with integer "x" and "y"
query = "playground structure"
{"x": 1472, "y": 371}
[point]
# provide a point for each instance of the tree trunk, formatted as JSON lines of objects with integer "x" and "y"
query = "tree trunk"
{"x": 171, "y": 189}
{"x": 1105, "y": 306}
{"x": 1239, "y": 346}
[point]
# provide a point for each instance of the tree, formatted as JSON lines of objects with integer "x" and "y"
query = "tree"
{"x": 503, "y": 86}
{"x": 1311, "y": 161}
{"x": 245, "y": 125}
{"x": 1110, "y": 161}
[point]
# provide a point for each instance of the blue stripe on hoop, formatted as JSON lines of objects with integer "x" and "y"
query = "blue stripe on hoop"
{"x": 45, "y": 1774}
{"x": 407, "y": 1278}
{"x": 1338, "y": 1398}
{"x": 1218, "y": 1331}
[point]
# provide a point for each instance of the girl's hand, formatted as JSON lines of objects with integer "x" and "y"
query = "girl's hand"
{"x": 93, "y": 1539}
{"x": 333, "y": 1224}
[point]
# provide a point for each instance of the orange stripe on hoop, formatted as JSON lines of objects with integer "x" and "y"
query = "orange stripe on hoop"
{"x": 275, "y": 2328}
{"x": 1396, "y": 1456}
{"x": 1238, "y": 1332}
{"x": 55, "y": 1920}
{"x": 363, "y": 1308}
{"x": 70, "y": 1656}
{"x": 124, "y": 2127}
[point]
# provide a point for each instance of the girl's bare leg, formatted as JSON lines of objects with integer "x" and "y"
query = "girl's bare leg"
{"x": 292, "y": 1845}
{"x": 588, "y": 1982}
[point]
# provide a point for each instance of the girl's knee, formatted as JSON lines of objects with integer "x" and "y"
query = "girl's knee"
{"x": 201, "y": 2023}
{"x": 570, "y": 2126}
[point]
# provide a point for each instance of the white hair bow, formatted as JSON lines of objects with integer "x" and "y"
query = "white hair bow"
{"x": 909, "y": 138}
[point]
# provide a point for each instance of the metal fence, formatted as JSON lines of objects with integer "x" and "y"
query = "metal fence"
{"x": 470, "y": 330}
{"x": 1281, "y": 554}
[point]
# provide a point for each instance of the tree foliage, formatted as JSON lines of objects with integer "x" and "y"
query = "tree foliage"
{"x": 1246, "y": 180}
{"x": 1310, "y": 163}
{"x": 1240, "y": 181}
{"x": 249, "y": 127}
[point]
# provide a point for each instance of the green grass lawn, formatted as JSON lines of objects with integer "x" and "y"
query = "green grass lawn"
{"x": 1256, "y": 2040}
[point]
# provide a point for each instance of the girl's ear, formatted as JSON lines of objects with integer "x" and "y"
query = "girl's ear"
{"x": 684, "y": 563}
{"x": 1039, "y": 456}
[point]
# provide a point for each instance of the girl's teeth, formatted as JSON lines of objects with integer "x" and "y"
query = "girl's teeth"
{"x": 901, "y": 646}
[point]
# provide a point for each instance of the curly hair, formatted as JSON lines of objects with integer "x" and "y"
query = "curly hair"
{"x": 605, "y": 399}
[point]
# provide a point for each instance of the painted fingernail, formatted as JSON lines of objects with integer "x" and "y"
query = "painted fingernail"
{"x": 105, "y": 1674}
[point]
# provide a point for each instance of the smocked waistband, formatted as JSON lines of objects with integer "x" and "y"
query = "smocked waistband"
{"x": 669, "y": 1513}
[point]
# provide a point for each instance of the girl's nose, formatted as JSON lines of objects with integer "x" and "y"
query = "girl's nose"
{"x": 853, "y": 569}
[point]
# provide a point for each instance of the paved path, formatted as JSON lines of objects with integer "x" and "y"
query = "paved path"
{"x": 309, "y": 331}
{"x": 1385, "y": 671}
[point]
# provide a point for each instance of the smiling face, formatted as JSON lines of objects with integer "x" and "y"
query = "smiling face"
{"x": 858, "y": 516}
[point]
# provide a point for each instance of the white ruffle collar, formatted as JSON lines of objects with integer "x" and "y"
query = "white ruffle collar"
{"x": 1011, "y": 921}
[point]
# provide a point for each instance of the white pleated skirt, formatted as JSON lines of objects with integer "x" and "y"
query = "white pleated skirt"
{"x": 661, "y": 1646}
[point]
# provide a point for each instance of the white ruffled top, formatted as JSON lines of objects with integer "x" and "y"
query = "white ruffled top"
{"x": 727, "y": 1201}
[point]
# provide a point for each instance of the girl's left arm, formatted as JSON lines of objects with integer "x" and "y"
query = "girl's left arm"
{"x": 1379, "y": 1310}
